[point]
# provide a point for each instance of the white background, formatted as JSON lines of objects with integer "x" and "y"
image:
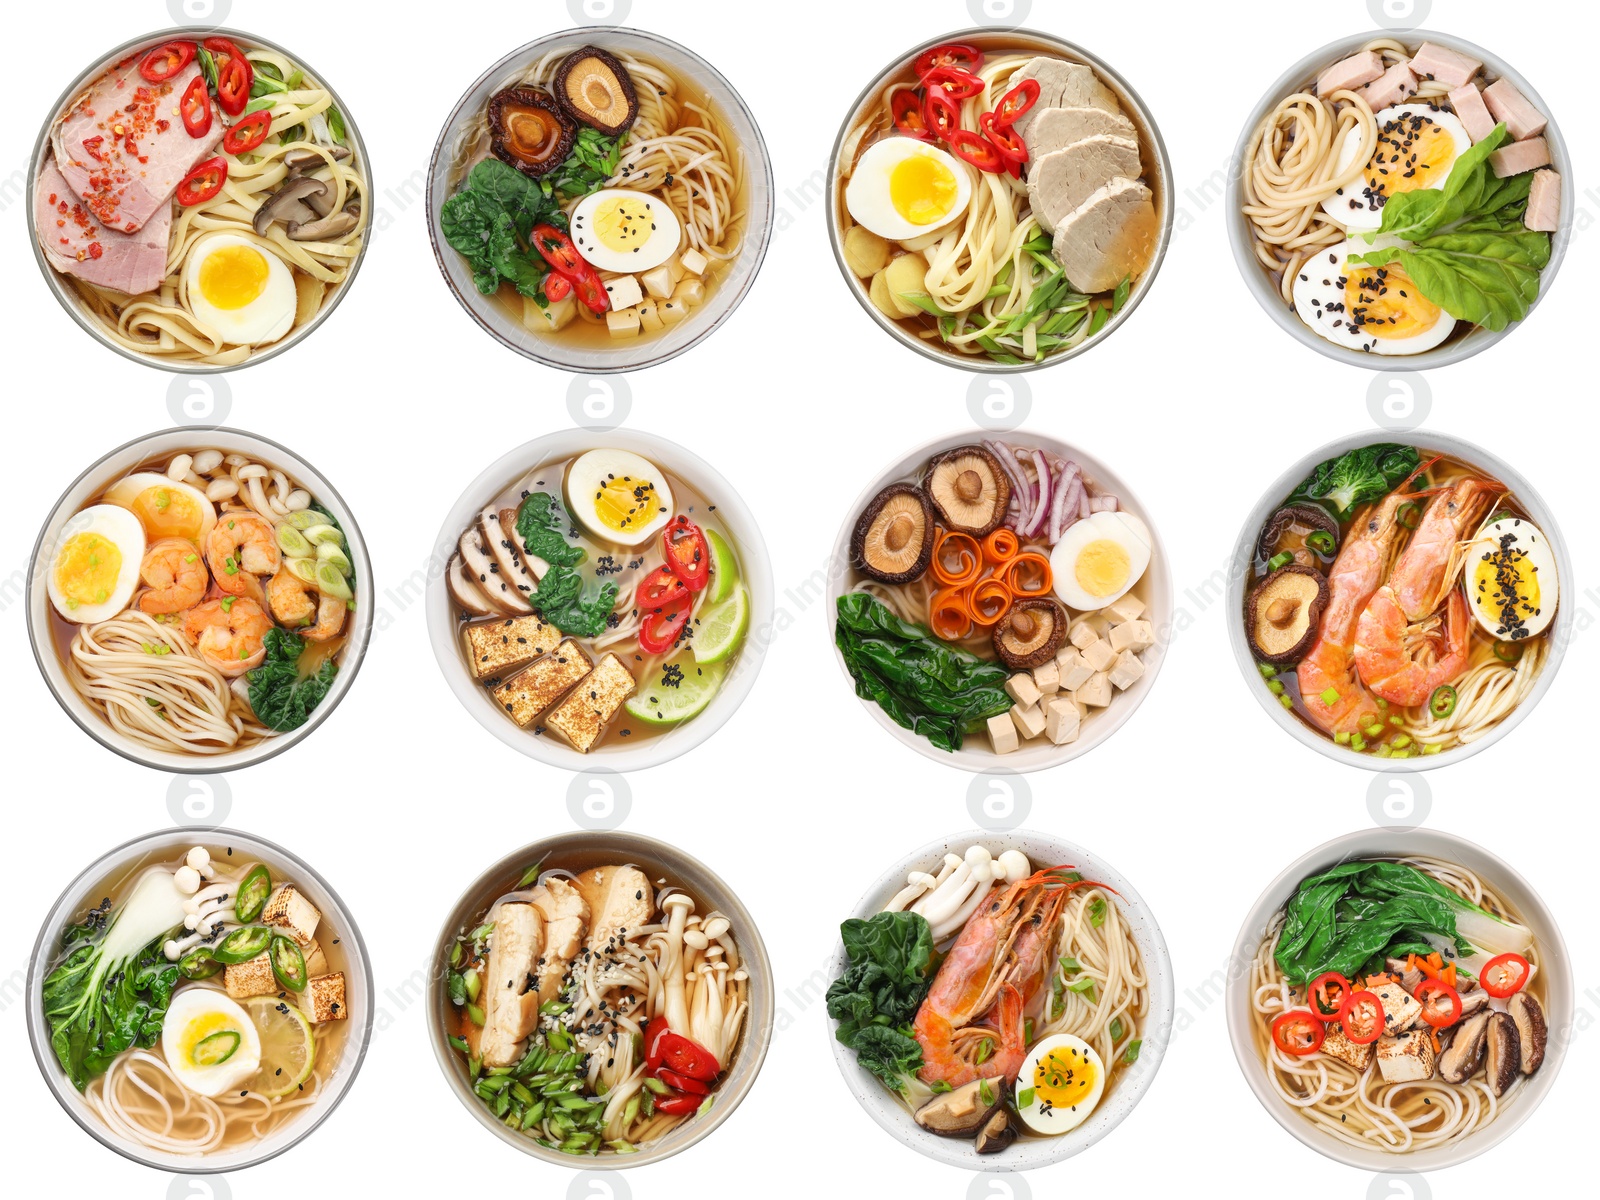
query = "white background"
{"x": 800, "y": 801}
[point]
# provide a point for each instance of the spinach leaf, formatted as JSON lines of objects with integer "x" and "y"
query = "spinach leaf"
{"x": 280, "y": 697}
{"x": 1358, "y": 477}
{"x": 489, "y": 221}
{"x": 592, "y": 160}
{"x": 924, "y": 685}
{"x": 541, "y": 522}
{"x": 558, "y": 597}
{"x": 95, "y": 1012}
{"x": 890, "y": 967}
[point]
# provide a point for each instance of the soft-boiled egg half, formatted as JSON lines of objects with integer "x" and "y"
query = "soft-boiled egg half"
{"x": 1511, "y": 579}
{"x": 616, "y": 229}
{"x": 165, "y": 507}
{"x": 243, "y": 292}
{"x": 1376, "y": 310}
{"x": 210, "y": 1042}
{"x": 1418, "y": 145}
{"x": 1099, "y": 558}
{"x": 1061, "y": 1080}
{"x": 902, "y": 188}
{"x": 95, "y": 567}
{"x": 617, "y": 496}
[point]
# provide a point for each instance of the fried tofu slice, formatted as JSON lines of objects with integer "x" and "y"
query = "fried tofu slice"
{"x": 253, "y": 977}
{"x": 291, "y": 913}
{"x": 545, "y": 680}
{"x": 581, "y": 718}
{"x": 1400, "y": 1010}
{"x": 323, "y": 999}
{"x": 510, "y": 1002}
{"x": 1408, "y": 1058}
{"x": 1336, "y": 1043}
{"x": 495, "y": 647}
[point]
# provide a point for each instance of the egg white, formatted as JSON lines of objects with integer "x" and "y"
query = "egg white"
{"x": 1514, "y": 534}
{"x": 193, "y": 1004}
{"x": 122, "y": 529}
{"x": 1123, "y": 528}
{"x": 1053, "y": 1119}
{"x": 1320, "y": 301}
{"x": 125, "y": 493}
{"x": 867, "y": 196}
{"x": 590, "y": 471}
{"x": 654, "y": 250}
{"x": 266, "y": 318}
{"x": 1348, "y": 206}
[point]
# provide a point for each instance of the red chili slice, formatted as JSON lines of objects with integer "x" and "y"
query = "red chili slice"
{"x": 976, "y": 149}
{"x": 684, "y": 547}
{"x": 248, "y": 133}
{"x": 960, "y": 55}
{"x": 557, "y": 249}
{"x": 653, "y": 1033}
{"x": 663, "y": 601}
{"x": 1012, "y": 150}
{"x": 906, "y": 106}
{"x": 1441, "y": 1003}
{"x": 1016, "y": 102}
{"x": 557, "y": 287}
{"x": 689, "y": 1057}
{"x": 661, "y": 589}
{"x": 165, "y": 61}
{"x": 1297, "y": 1033}
{"x": 940, "y": 114}
{"x": 202, "y": 183}
{"x": 682, "y": 1082}
{"x": 952, "y": 81}
{"x": 1504, "y": 975}
{"x": 1327, "y": 995}
{"x": 1361, "y": 1017}
{"x": 679, "y": 1106}
{"x": 234, "y": 77}
{"x": 195, "y": 108}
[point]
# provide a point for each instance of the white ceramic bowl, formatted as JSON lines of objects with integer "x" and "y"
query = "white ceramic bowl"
{"x": 1158, "y": 174}
{"x": 1239, "y": 581}
{"x": 732, "y": 285}
{"x": 445, "y": 630}
{"x": 660, "y": 861}
{"x": 161, "y": 447}
{"x": 1129, "y": 1083}
{"x": 1386, "y": 843}
{"x": 1300, "y": 76}
{"x": 67, "y": 295}
{"x": 84, "y": 893}
{"x": 975, "y": 754}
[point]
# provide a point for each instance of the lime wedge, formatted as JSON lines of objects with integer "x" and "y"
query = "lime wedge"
{"x": 722, "y": 628}
{"x": 724, "y": 568}
{"x": 679, "y": 690}
{"x": 288, "y": 1046}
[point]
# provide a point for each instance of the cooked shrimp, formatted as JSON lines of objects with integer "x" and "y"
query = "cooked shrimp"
{"x": 239, "y": 548}
{"x": 1432, "y": 558}
{"x": 290, "y": 598}
{"x": 330, "y": 620}
{"x": 1405, "y": 662}
{"x": 174, "y": 577}
{"x": 229, "y": 633}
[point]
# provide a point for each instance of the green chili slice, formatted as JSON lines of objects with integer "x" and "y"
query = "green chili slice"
{"x": 242, "y": 945}
{"x": 199, "y": 963}
{"x": 1321, "y": 541}
{"x": 288, "y": 963}
{"x": 1508, "y": 652}
{"x": 1409, "y": 515}
{"x": 1443, "y": 701}
{"x": 253, "y": 893}
{"x": 215, "y": 1048}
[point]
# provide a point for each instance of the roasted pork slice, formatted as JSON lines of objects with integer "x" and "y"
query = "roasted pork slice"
{"x": 1060, "y": 181}
{"x": 566, "y": 921}
{"x": 510, "y": 1002}
{"x": 1057, "y": 128}
{"x": 1109, "y": 238}
{"x": 77, "y": 244}
{"x": 1062, "y": 84}
{"x": 122, "y": 146}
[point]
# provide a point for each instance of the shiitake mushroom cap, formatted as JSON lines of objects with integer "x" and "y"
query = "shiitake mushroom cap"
{"x": 1283, "y": 637}
{"x": 513, "y": 138}
{"x": 893, "y": 539}
{"x": 597, "y": 90}
{"x": 1030, "y": 633}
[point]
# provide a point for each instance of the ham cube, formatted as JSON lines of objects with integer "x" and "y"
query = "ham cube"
{"x": 1393, "y": 86}
{"x": 1473, "y": 112}
{"x": 1445, "y": 66}
{"x": 1350, "y": 73}
{"x": 1519, "y": 157}
{"x": 1544, "y": 202}
{"x": 1522, "y": 119}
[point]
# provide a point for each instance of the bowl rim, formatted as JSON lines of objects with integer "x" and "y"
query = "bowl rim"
{"x": 1260, "y": 286}
{"x": 48, "y": 662}
{"x": 118, "y": 856}
{"x": 1251, "y": 934}
{"x": 1163, "y": 1001}
{"x": 756, "y": 1039}
{"x": 58, "y": 286}
{"x": 758, "y": 230}
{"x": 754, "y": 558}
{"x": 1127, "y": 94}
{"x": 1110, "y": 721}
{"x": 1244, "y": 555}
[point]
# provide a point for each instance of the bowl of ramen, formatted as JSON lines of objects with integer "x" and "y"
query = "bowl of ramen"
{"x": 201, "y": 199}
{"x": 600, "y": 200}
{"x": 597, "y": 601}
{"x": 999, "y": 604}
{"x": 1397, "y": 1000}
{"x": 199, "y": 1002}
{"x": 1400, "y": 604}
{"x": 1000, "y": 994}
{"x": 600, "y": 997}
{"x": 1404, "y": 201}
{"x": 199, "y": 600}
{"x": 999, "y": 201}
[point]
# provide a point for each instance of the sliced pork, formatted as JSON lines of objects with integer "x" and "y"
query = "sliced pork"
{"x": 1061, "y": 85}
{"x": 1110, "y": 236}
{"x": 77, "y": 244}
{"x": 1507, "y": 104}
{"x": 1472, "y": 112}
{"x": 1446, "y": 66}
{"x": 1058, "y": 183}
{"x": 1349, "y": 73}
{"x": 1057, "y": 128}
{"x": 1544, "y": 202}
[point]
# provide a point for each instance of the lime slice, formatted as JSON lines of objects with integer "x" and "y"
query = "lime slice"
{"x": 724, "y": 568}
{"x": 288, "y": 1046}
{"x": 722, "y": 628}
{"x": 693, "y": 686}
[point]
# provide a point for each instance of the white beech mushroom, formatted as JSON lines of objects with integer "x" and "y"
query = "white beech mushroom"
{"x": 675, "y": 1003}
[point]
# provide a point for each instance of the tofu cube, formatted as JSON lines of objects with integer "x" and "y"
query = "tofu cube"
{"x": 1061, "y": 721}
{"x": 1126, "y": 671}
{"x": 1133, "y": 635}
{"x": 1408, "y": 1058}
{"x": 290, "y": 912}
{"x": 623, "y": 291}
{"x": 1021, "y": 688}
{"x": 693, "y": 262}
{"x": 501, "y": 645}
{"x": 1125, "y": 608}
{"x": 1399, "y": 1009}
{"x": 1335, "y": 1042}
{"x": 1073, "y": 670}
{"x": 1029, "y": 719}
{"x": 624, "y": 324}
{"x": 316, "y": 960}
{"x": 658, "y": 282}
{"x": 649, "y": 316}
{"x": 1003, "y": 733}
{"x": 1099, "y": 654}
{"x": 1096, "y": 621}
{"x": 253, "y": 977}
{"x": 581, "y": 718}
{"x": 672, "y": 311}
{"x": 691, "y": 291}
{"x": 1047, "y": 678}
{"x": 1082, "y": 635}
{"x": 323, "y": 999}
{"x": 1097, "y": 692}
{"x": 675, "y": 271}
{"x": 549, "y": 318}
{"x": 531, "y": 691}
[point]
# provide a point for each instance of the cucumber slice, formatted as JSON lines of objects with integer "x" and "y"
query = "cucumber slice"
{"x": 659, "y": 703}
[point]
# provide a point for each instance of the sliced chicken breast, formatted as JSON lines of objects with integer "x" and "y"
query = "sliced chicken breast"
{"x": 620, "y": 899}
{"x": 566, "y": 921}
{"x": 510, "y": 1002}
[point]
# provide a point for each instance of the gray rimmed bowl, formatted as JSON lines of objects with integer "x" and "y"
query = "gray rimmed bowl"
{"x": 580, "y": 850}
{"x": 1129, "y": 1084}
{"x": 1387, "y": 843}
{"x": 729, "y": 290}
{"x": 64, "y": 292}
{"x": 1239, "y": 579}
{"x": 84, "y": 892}
{"x": 160, "y": 447}
{"x": 1158, "y": 175}
{"x": 1260, "y": 283}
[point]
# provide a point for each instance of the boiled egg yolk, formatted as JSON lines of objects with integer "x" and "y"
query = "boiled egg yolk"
{"x": 1384, "y": 302}
{"x": 168, "y": 512}
{"x": 233, "y": 276}
{"x": 87, "y": 568}
{"x": 1063, "y": 1078}
{"x": 922, "y": 189}
{"x": 1412, "y": 153}
{"x": 622, "y": 503}
{"x": 1102, "y": 567}
{"x": 197, "y": 1045}
{"x": 622, "y": 223}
